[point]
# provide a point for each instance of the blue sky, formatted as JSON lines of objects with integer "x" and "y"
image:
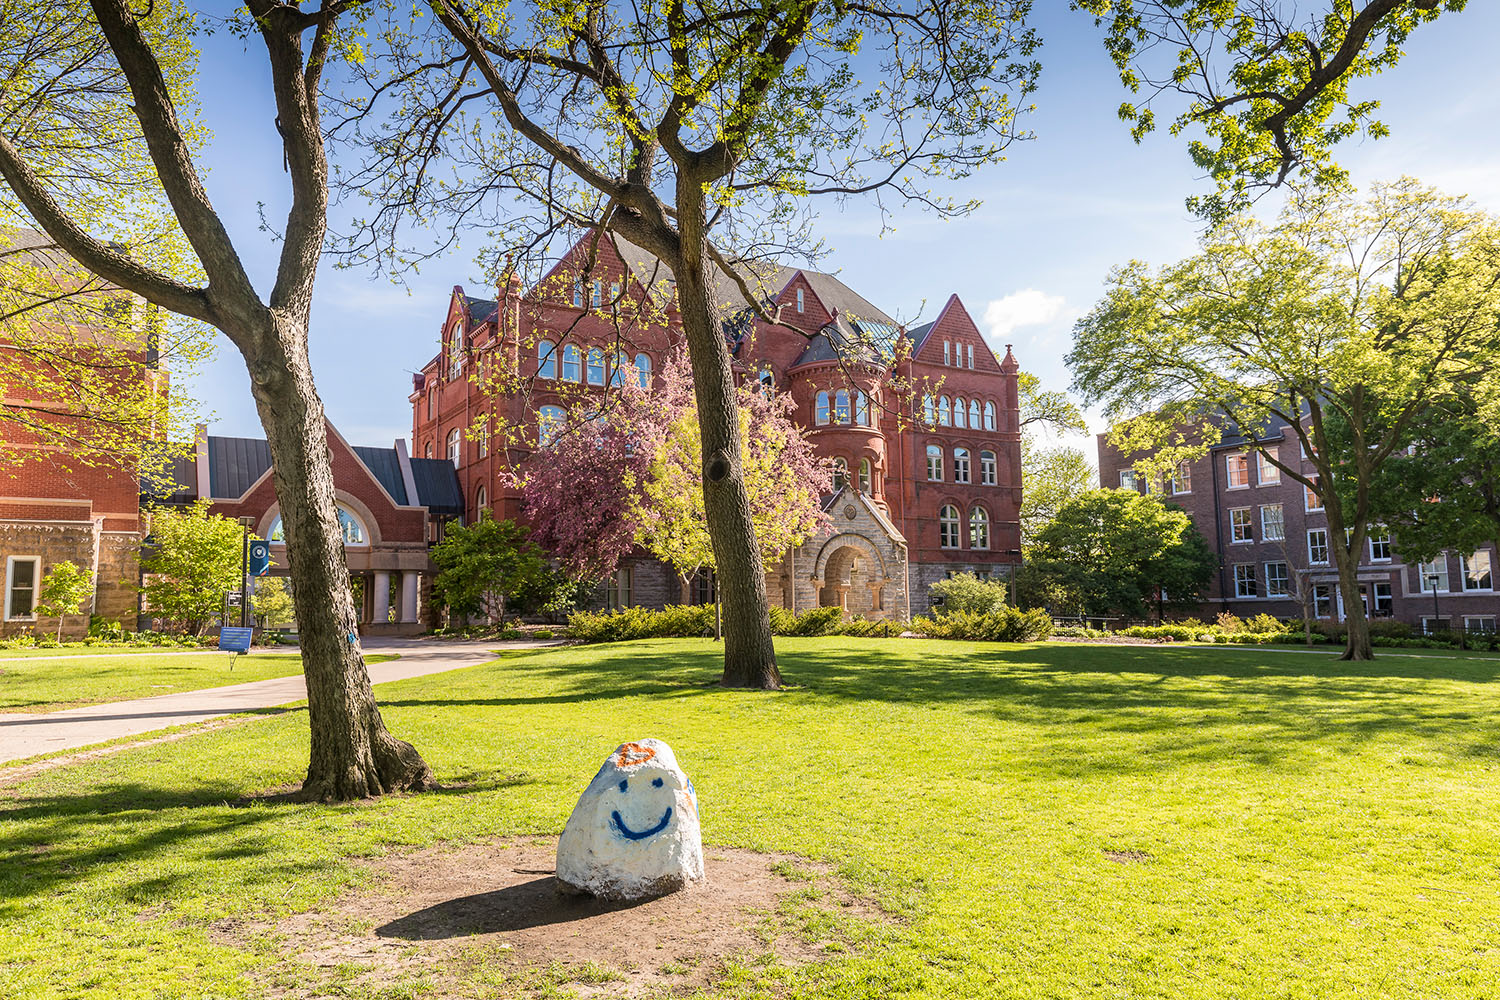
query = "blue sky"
{"x": 1057, "y": 215}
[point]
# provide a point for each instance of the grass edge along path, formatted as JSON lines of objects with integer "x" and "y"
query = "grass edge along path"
{"x": 1048, "y": 821}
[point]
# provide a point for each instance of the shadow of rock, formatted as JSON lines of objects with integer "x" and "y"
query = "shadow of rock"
{"x": 540, "y": 902}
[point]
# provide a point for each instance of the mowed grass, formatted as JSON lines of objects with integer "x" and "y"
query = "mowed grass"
{"x": 1282, "y": 824}
{"x": 46, "y": 685}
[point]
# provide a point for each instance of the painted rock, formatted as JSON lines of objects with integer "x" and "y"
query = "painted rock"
{"x": 634, "y": 833}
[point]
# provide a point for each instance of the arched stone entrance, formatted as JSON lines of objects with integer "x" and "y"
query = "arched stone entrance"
{"x": 850, "y": 574}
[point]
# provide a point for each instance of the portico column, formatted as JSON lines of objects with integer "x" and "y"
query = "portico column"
{"x": 408, "y": 595}
{"x": 382, "y": 608}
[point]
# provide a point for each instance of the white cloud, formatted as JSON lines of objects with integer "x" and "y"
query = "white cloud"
{"x": 1028, "y": 307}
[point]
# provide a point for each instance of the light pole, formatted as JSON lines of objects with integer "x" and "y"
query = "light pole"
{"x": 245, "y": 524}
{"x": 1432, "y": 581}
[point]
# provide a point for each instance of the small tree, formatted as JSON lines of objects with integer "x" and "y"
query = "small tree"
{"x": 965, "y": 592}
{"x": 191, "y": 559}
{"x": 272, "y": 602}
{"x": 65, "y": 590}
{"x": 485, "y": 565}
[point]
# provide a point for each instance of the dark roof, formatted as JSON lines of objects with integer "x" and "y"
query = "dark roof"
{"x": 862, "y": 340}
{"x": 235, "y": 464}
{"x": 386, "y": 467}
{"x": 178, "y": 485}
{"x": 918, "y": 337}
{"x": 482, "y": 310}
{"x": 437, "y": 485}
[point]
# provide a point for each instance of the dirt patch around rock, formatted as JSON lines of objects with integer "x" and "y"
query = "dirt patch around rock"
{"x": 489, "y": 919}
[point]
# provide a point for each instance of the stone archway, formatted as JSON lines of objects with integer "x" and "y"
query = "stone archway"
{"x": 850, "y": 574}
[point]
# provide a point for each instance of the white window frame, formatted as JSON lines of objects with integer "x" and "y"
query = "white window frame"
{"x": 979, "y": 520}
{"x": 989, "y": 416}
{"x": 1376, "y": 597}
{"x": 1469, "y": 619}
{"x": 801, "y": 302}
{"x": 935, "y": 462}
{"x": 1308, "y": 497}
{"x": 456, "y": 447}
{"x": 1438, "y": 567}
{"x": 1229, "y": 461}
{"x": 822, "y": 407}
{"x": 1128, "y": 480}
{"x": 10, "y": 580}
{"x": 1242, "y": 581}
{"x": 1331, "y": 591}
{"x": 1384, "y": 534}
{"x": 961, "y": 461}
{"x": 1286, "y": 579}
{"x": 947, "y": 356}
{"x": 971, "y": 355}
{"x": 988, "y": 469}
{"x": 960, "y": 414}
{"x": 1183, "y": 474}
{"x": 1266, "y": 534}
{"x": 1463, "y": 572}
{"x": 1266, "y": 473}
{"x": 1249, "y": 526}
{"x": 944, "y": 523}
{"x": 1312, "y": 560}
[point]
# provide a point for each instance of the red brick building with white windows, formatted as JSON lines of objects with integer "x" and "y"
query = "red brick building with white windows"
{"x": 924, "y": 423}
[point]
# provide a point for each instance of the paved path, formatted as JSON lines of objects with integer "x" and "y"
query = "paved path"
{"x": 24, "y": 735}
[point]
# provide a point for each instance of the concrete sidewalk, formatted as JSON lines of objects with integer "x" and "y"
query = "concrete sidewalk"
{"x": 23, "y": 736}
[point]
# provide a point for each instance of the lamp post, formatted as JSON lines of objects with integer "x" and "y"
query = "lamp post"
{"x": 245, "y": 525}
{"x": 1432, "y": 581}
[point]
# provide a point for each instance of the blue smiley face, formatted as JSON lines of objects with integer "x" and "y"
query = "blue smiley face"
{"x": 618, "y": 822}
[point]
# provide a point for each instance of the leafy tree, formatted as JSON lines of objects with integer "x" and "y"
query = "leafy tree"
{"x": 190, "y": 561}
{"x": 1114, "y": 552}
{"x": 272, "y": 602}
{"x": 965, "y": 593}
{"x": 696, "y": 135}
{"x": 1346, "y": 322}
{"x": 1267, "y": 85}
{"x": 125, "y": 88}
{"x": 1050, "y": 477}
{"x": 485, "y": 565}
{"x": 65, "y": 590}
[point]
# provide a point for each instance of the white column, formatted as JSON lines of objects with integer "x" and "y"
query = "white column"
{"x": 408, "y": 595}
{"x": 382, "y": 612}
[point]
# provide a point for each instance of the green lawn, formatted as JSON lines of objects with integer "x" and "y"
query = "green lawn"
{"x": 44, "y": 685}
{"x": 33, "y": 652}
{"x": 1309, "y": 828}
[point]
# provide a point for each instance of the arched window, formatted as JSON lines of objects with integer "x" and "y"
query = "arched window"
{"x": 578, "y": 295}
{"x": 929, "y": 411}
{"x": 546, "y": 359}
{"x": 959, "y": 419}
{"x": 945, "y": 412}
{"x": 989, "y": 416}
{"x": 550, "y": 420}
{"x": 841, "y": 406}
{"x": 948, "y": 526}
{"x": 934, "y": 463}
{"x": 352, "y": 527}
{"x": 865, "y": 478}
{"x": 643, "y": 370}
{"x": 840, "y": 474}
{"x": 484, "y": 436}
{"x": 455, "y": 352}
{"x": 821, "y": 414}
{"x": 456, "y": 447}
{"x": 960, "y": 465}
{"x": 979, "y": 528}
{"x": 480, "y": 500}
{"x": 861, "y": 408}
{"x": 428, "y": 453}
{"x": 431, "y": 402}
{"x": 623, "y": 371}
{"x": 596, "y": 366}
{"x": 572, "y": 363}
{"x": 974, "y": 414}
{"x": 987, "y": 468}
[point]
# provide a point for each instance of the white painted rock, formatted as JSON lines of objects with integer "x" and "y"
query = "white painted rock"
{"x": 634, "y": 833}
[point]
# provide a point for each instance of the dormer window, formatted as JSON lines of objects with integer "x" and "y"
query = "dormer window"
{"x": 799, "y": 300}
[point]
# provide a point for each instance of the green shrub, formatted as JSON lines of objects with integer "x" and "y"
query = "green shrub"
{"x": 1228, "y": 621}
{"x": 815, "y": 621}
{"x": 675, "y": 621}
{"x": 1177, "y": 633}
{"x": 965, "y": 592}
{"x": 1078, "y": 632}
{"x": 1005, "y": 625}
{"x": 542, "y": 633}
{"x": 1264, "y": 623}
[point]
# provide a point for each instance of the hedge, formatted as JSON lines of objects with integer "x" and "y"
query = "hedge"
{"x": 1004, "y": 625}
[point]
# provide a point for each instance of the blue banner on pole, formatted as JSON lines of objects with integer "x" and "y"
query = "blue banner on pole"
{"x": 260, "y": 557}
{"x": 234, "y": 640}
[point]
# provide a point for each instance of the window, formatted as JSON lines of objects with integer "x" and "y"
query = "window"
{"x": 1323, "y": 600}
{"x": 1237, "y": 470}
{"x": 614, "y": 292}
{"x": 1245, "y": 584}
{"x": 621, "y": 372}
{"x": 1278, "y": 580}
{"x": 960, "y": 465}
{"x": 979, "y": 528}
{"x": 945, "y": 412}
{"x": 1385, "y": 605}
{"x": 546, "y": 359}
{"x": 480, "y": 499}
{"x": 987, "y": 468}
{"x": 840, "y": 474}
{"x": 865, "y": 476}
{"x": 861, "y": 409}
{"x": 1380, "y": 544}
{"x": 1181, "y": 480}
{"x": 989, "y": 416}
{"x": 455, "y": 447}
{"x": 578, "y": 295}
{"x": 947, "y": 359}
{"x": 703, "y": 587}
{"x": 841, "y": 406}
{"x": 1317, "y": 546}
{"x": 767, "y": 380}
{"x": 21, "y": 574}
{"x": 572, "y": 363}
{"x": 428, "y": 452}
{"x": 822, "y": 407}
{"x": 617, "y": 594}
{"x": 1127, "y": 479}
{"x": 431, "y": 402}
{"x": 1479, "y": 623}
{"x": 799, "y": 300}
{"x": 455, "y": 353}
{"x": 960, "y": 415}
{"x": 974, "y": 414}
{"x": 929, "y": 411}
{"x": 483, "y": 443}
{"x": 1269, "y": 475}
{"x": 597, "y": 295}
{"x": 1476, "y": 571}
{"x": 1239, "y": 525}
{"x": 550, "y": 420}
{"x": 971, "y": 355}
{"x": 934, "y": 463}
{"x": 352, "y": 527}
{"x": 596, "y": 366}
{"x": 643, "y": 370}
{"x": 1428, "y": 571}
{"x": 948, "y": 526}
{"x": 1310, "y": 498}
{"x": 1272, "y": 523}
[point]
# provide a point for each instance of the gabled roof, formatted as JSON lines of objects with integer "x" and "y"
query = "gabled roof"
{"x": 481, "y": 310}
{"x": 864, "y": 340}
{"x": 385, "y": 467}
{"x": 437, "y": 485}
{"x": 918, "y": 336}
{"x": 235, "y": 465}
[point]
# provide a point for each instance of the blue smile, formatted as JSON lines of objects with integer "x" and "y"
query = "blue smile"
{"x": 643, "y": 834}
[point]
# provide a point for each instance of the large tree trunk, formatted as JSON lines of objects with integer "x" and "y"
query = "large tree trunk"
{"x": 749, "y": 652}
{"x": 1357, "y": 643}
{"x": 353, "y": 755}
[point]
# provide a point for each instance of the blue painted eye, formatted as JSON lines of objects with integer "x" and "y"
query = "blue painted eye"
{"x": 624, "y": 785}
{"x": 657, "y": 782}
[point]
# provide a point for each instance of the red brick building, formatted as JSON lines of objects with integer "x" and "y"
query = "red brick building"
{"x": 1273, "y": 542}
{"x": 924, "y": 423}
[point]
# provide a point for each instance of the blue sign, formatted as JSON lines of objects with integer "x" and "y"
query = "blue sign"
{"x": 234, "y": 640}
{"x": 260, "y": 557}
